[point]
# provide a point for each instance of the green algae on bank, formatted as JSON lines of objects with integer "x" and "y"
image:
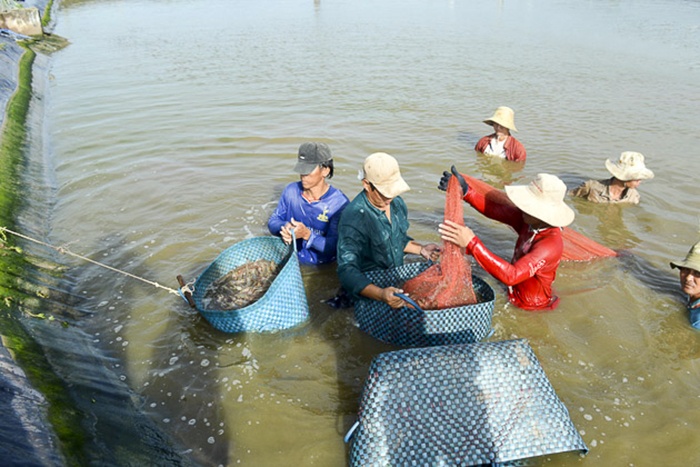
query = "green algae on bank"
{"x": 46, "y": 17}
{"x": 11, "y": 152}
{"x": 62, "y": 415}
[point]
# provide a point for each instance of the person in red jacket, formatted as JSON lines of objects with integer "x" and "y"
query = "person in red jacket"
{"x": 501, "y": 143}
{"x": 538, "y": 215}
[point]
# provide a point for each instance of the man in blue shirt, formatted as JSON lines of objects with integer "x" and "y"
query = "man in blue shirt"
{"x": 690, "y": 282}
{"x": 373, "y": 231}
{"x": 311, "y": 207}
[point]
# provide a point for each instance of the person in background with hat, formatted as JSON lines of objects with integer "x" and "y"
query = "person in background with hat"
{"x": 501, "y": 143}
{"x": 538, "y": 214}
{"x": 627, "y": 174}
{"x": 690, "y": 282}
{"x": 373, "y": 231}
{"x": 311, "y": 207}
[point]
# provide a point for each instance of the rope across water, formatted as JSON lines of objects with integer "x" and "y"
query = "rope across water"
{"x": 84, "y": 258}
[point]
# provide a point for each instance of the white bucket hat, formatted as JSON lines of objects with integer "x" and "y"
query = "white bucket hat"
{"x": 543, "y": 198}
{"x": 692, "y": 259}
{"x": 383, "y": 172}
{"x": 504, "y": 116}
{"x": 629, "y": 167}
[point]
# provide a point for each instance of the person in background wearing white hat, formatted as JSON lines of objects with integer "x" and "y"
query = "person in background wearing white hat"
{"x": 538, "y": 214}
{"x": 501, "y": 143}
{"x": 690, "y": 282}
{"x": 627, "y": 174}
{"x": 311, "y": 207}
{"x": 373, "y": 231}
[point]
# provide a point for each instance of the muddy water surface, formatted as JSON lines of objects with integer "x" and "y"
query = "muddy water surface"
{"x": 173, "y": 127}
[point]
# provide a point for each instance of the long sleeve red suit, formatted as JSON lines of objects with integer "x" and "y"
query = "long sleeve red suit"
{"x": 531, "y": 272}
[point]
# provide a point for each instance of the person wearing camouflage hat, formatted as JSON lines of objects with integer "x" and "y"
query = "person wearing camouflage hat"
{"x": 690, "y": 282}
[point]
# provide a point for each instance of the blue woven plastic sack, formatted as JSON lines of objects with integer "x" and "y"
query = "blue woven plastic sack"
{"x": 284, "y": 304}
{"x": 470, "y": 404}
{"x": 420, "y": 328}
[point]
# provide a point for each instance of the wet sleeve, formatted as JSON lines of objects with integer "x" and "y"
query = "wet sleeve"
{"x": 506, "y": 213}
{"x": 482, "y": 144}
{"x": 402, "y": 218}
{"x": 351, "y": 244}
{"x": 517, "y": 151}
{"x": 280, "y": 216}
{"x": 582, "y": 190}
{"x": 511, "y": 274}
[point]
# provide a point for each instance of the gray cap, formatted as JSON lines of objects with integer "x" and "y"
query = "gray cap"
{"x": 311, "y": 155}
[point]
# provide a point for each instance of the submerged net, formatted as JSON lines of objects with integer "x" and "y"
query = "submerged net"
{"x": 446, "y": 284}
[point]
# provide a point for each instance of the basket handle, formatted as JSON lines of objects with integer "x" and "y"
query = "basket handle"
{"x": 408, "y": 300}
{"x": 351, "y": 432}
{"x": 185, "y": 291}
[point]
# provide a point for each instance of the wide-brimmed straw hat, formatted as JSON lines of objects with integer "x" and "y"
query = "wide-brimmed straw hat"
{"x": 543, "y": 198}
{"x": 692, "y": 259}
{"x": 504, "y": 116}
{"x": 382, "y": 171}
{"x": 630, "y": 166}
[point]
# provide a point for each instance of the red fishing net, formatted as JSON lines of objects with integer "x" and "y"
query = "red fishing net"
{"x": 449, "y": 283}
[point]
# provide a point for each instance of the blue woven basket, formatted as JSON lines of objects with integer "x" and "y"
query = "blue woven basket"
{"x": 284, "y": 304}
{"x": 421, "y": 328}
{"x": 470, "y": 404}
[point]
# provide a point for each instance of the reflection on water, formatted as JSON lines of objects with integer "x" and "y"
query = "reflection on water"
{"x": 611, "y": 228}
{"x": 498, "y": 172}
{"x": 173, "y": 129}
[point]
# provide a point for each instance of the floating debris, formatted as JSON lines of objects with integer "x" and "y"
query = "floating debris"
{"x": 241, "y": 286}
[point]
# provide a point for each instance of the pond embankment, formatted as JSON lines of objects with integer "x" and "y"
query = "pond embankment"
{"x": 61, "y": 405}
{"x": 28, "y": 437}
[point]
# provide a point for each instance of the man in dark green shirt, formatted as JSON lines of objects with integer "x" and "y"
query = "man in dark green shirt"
{"x": 373, "y": 231}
